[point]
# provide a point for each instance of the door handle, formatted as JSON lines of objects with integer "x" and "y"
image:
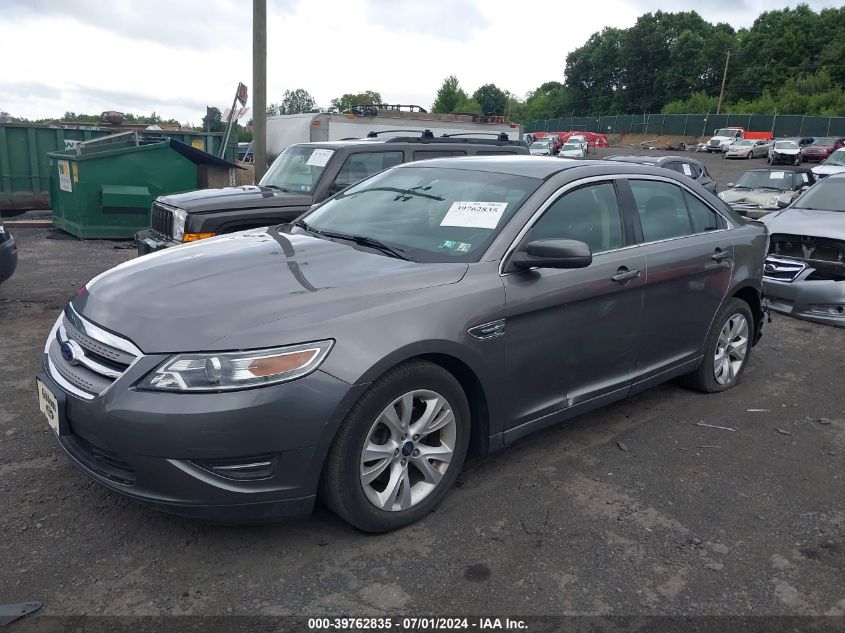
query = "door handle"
{"x": 719, "y": 255}
{"x": 624, "y": 275}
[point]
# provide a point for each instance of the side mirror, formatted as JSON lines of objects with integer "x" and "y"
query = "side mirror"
{"x": 731, "y": 184}
{"x": 805, "y": 187}
{"x": 553, "y": 253}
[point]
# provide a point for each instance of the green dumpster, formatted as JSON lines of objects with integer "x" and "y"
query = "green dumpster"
{"x": 104, "y": 188}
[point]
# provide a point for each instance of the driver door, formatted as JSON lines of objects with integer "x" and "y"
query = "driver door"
{"x": 571, "y": 333}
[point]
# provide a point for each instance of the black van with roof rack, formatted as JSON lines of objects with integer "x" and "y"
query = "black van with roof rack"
{"x": 303, "y": 175}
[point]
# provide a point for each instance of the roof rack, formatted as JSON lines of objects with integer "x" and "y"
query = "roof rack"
{"x": 498, "y": 141}
{"x": 501, "y": 136}
{"x": 423, "y": 133}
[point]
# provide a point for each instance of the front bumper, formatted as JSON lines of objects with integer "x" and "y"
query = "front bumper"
{"x": 8, "y": 258}
{"x": 787, "y": 159}
{"x": 150, "y": 241}
{"x": 165, "y": 449}
{"x": 817, "y": 300}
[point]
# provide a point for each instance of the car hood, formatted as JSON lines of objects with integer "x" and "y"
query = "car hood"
{"x": 753, "y": 196}
{"x": 786, "y": 152}
{"x": 828, "y": 169}
{"x": 213, "y": 293}
{"x": 792, "y": 221}
{"x": 246, "y": 197}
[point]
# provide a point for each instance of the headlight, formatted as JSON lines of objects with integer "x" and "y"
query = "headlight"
{"x": 179, "y": 216}
{"x": 236, "y": 370}
{"x": 721, "y": 195}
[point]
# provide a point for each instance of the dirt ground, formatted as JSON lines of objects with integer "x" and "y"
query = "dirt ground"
{"x": 635, "y": 509}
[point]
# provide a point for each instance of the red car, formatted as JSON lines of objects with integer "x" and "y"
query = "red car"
{"x": 821, "y": 148}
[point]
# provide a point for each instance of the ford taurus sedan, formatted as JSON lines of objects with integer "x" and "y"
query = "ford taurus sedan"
{"x": 359, "y": 353}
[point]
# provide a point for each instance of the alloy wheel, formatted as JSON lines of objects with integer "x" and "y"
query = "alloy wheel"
{"x": 731, "y": 348}
{"x": 408, "y": 449}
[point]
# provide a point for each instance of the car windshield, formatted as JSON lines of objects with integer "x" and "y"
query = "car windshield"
{"x": 765, "y": 180}
{"x": 297, "y": 168}
{"x": 786, "y": 145}
{"x": 540, "y": 144}
{"x": 429, "y": 214}
{"x": 725, "y": 132}
{"x": 743, "y": 143}
{"x": 825, "y": 195}
{"x": 572, "y": 146}
{"x": 837, "y": 158}
{"x": 824, "y": 142}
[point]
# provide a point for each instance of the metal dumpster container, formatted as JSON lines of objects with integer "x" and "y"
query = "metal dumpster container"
{"x": 25, "y": 165}
{"x": 104, "y": 188}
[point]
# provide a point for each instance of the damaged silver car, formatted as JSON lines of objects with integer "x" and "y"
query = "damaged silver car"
{"x": 762, "y": 191}
{"x": 804, "y": 273}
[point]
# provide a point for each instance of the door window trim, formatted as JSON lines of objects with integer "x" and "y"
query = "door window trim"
{"x": 557, "y": 195}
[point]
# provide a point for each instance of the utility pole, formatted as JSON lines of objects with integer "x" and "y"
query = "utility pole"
{"x": 724, "y": 77}
{"x": 259, "y": 87}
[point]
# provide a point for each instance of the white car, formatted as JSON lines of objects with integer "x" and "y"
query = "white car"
{"x": 573, "y": 149}
{"x": 746, "y": 148}
{"x": 785, "y": 152}
{"x": 833, "y": 164}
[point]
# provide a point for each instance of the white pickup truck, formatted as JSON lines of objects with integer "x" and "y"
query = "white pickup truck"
{"x": 724, "y": 137}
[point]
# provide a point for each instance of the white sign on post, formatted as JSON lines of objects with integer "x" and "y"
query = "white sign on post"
{"x": 64, "y": 176}
{"x": 479, "y": 215}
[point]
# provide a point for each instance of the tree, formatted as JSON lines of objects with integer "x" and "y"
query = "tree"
{"x": 297, "y": 101}
{"x": 349, "y": 101}
{"x": 449, "y": 96}
{"x": 492, "y": 100}
{"x": 213, "y": 120}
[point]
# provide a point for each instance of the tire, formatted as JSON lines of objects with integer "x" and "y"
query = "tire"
{"x": 343, "y": 486}
{"x": 770, "y": 160}
{"x": 705, "y": 377}
{"x": 797, "y": 161}
{"x": 748, "y": 156}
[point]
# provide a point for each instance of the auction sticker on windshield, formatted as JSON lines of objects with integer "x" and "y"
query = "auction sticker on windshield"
{"x": 777, "y": 175}
{"x": 477, "y": 215}
{"x": 48, "y": 405}
{"x": 319, "y": 157}
{"x": 687, "y": 169}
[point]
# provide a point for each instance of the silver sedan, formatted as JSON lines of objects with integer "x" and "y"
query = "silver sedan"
{"x": 746, "y": 148}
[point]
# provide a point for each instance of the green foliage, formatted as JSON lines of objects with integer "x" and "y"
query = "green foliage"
{"x": 493, "y": 101}
{"x": 349, "y": 101}
{"x": 293, "y": 102}
{"x": 789, "y": 61}
{"x": 449, "y": 96}
{"x": 213, "y": 120}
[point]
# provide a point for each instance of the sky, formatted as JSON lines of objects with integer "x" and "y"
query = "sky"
{"x": 175, "y": 57}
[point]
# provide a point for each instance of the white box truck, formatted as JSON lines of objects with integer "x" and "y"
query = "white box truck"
{"x": 288, "y": 129}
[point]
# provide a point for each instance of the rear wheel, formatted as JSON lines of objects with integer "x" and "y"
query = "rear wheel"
{"x": 399, "y": 450}
{"x": 726, "y": 350}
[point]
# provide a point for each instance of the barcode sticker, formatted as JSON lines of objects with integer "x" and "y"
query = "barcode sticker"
{"x": 479, "y": 215}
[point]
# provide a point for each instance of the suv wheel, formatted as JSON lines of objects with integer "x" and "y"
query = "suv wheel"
{"x": 726, "y": 349}
{"x": 399, "y": 450}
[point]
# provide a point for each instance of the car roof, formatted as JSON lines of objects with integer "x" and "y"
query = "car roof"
{"x": 534, "y": 166}
{"x": 648, "y": 159}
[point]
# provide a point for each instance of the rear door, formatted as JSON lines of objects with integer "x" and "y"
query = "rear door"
{"x": 689, "y": 259}
{"x": 571, "y": 334}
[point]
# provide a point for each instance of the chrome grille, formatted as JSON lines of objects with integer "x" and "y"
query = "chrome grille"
{"x": 780, "y": 269}
{"x": 161, "y": 219}
{"x": 97, "y": 357}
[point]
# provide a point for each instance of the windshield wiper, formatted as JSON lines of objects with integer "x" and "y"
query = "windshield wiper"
{"x": 364, "y": 240}
{"x": 302, "y": 224}
{"x": 279, "y": 187}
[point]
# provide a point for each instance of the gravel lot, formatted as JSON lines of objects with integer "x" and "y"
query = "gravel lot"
{"x": 634, "y": 509}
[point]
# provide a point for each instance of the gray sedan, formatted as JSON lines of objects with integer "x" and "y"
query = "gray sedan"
{"x": 360, "y": 352}
{"x": 689, "y": 167}
{"x": 762, "y": 191}
{"x": 805, "y": 270}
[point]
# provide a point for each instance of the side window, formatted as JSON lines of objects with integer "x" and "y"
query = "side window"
{"x": 589, "y": 214}
{"x": 703, "y": 217}
{"x": 437, "y": 153}
{"x": 695, "y": 170}
{"x": 363, "y": 165}
{"x": 662, "y": 211}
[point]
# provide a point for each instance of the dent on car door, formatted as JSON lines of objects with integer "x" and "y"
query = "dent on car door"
{"x": 571, "y": 333}
{"x": 689, "y": 258}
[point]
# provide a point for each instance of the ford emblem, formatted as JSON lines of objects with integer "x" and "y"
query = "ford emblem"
{"x": 71, "y": 352}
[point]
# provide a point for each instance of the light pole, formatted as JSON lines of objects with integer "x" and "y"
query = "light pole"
{"x": 259, "y": 87}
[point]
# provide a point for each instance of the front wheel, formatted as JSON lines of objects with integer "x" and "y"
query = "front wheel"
{"x": 726, "y": 350}
{"x": 797, "y": 161}
{"x": 399, "y": 450}
{"x": 748, "y": 156}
